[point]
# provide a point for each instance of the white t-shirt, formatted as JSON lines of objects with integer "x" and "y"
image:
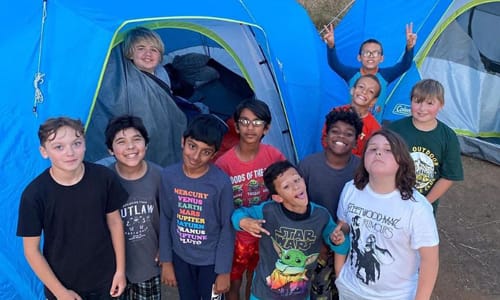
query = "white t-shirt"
{"x": 386, "y": 233}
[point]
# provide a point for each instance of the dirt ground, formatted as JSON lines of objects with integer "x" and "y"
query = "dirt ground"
{"x": 469, "y": 231}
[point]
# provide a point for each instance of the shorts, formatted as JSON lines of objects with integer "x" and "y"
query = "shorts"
{"x": 146, "y": 290}
{"x": 246, "y": 257}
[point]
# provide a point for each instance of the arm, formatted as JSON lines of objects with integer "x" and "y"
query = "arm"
{"x": 253, "y": 213}
{"x": 338, "y": 261}
{"x": 438, "y": 189}
{"x": 333, "y": 61}
{"x": 391, "y": 73}
{"x": 429, "y": 266}
{"x": 167, "y": 268}
{"x": 115, "y": 226}
{"x": 225, "y": 243}
{"x": 42, "y": 269}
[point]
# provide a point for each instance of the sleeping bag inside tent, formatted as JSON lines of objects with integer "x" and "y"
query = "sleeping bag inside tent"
{"x": 209, "y": 72}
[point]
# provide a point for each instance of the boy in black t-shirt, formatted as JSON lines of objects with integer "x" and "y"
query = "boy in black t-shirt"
{"x": 75, "y": 204}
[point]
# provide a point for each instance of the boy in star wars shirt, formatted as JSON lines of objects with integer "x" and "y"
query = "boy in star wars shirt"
{"x": 291, "y": 231}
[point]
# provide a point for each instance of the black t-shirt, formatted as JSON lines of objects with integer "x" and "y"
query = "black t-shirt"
{"x": 77, "y": 242}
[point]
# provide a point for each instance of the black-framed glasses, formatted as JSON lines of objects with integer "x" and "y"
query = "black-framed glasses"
{"x": 375, "y": 53}
{"x": 255, "y": 123}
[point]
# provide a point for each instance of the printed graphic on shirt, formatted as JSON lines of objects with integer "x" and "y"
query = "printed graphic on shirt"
{"x": 190, "y": 224}
{"x": 366, "y": 255}
{"x": 426, "y": 165}
{"x": 137, "y": 216}
{"x": 249, "y": 188}
{"x": 289, "y": 275}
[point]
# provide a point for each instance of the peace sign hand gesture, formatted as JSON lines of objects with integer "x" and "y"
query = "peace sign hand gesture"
{"x": 411, "y": 38}
{"x": 329, "y": 36}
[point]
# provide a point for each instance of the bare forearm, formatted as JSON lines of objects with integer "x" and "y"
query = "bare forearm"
{"x": 40, "y": 265}
{"x": 428, "y": 271}
{"x": 115, "y": 226}
{"x": 338, "y": 261}
{"x": 438, "y": 190}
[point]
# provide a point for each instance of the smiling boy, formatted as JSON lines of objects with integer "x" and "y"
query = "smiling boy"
{"x": 127, "y": 140}
{"x": 371, "y": 55}
{"x": 196, "y": 203}
{"x": 76, "y": 206}
{"x": 433, "y": 145}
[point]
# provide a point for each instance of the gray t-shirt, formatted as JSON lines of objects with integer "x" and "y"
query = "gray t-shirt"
{"x": 140, "y": 215}
{"x": 324, "y": 183}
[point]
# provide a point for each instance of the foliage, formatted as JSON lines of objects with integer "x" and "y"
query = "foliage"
{"x": 323, "y": 12}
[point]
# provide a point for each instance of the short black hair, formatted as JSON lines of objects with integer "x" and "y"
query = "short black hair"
{"x": 371, "y": 41}
{"x": 206, "y": 128}
{"x": 258, "y": 107}
{"x": 346, "y": 114}
{"x": 121, "y": 123}
{"x": 273, "y": 171}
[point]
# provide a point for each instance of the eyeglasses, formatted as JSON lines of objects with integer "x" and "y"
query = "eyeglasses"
{"x": 255, "y": 123}
{"x": 375, "y": 53}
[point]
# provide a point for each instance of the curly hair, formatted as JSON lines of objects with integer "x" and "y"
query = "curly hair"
{"x": 405, "y": 175}
{"x": 346, "y": 114}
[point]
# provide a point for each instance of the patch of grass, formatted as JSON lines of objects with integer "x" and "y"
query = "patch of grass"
{"x": 323, "y": 12}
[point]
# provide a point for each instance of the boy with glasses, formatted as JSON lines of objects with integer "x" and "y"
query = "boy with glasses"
{"x": 245, "y": 164}
{"x": 371, "y": 55}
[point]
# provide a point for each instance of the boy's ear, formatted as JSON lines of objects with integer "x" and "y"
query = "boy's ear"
{"x": 359, "y": 58}
{"x": 111, "y": 152}
{"x": 277, "y": 198}
{"x": 43, "y": 152}
{"x": 381, "y": 58}
{"x": 182, "y": 142}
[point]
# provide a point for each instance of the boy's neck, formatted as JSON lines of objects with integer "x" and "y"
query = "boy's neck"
{"x": 247, "y": 152}
{"x": 131, "y": 173}
{"x": 67, "y": 178}
{"x": 336, "y": 161}
{"x": 195, "y": 173}
{"x": 362, "y": 111}
{"x": 365, "y": 71}
{"x": 382, "y": 184}
{"x": 425, "y": 126}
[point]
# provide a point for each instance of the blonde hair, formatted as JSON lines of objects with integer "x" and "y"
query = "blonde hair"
{"x": 139, "y": 34}
{"x": 426, "y": 88}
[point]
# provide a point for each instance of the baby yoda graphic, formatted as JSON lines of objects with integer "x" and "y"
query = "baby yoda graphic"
{"x": 289, "y": 276}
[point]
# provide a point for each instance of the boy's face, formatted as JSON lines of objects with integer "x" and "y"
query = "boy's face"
{"x": 129, "y": 147}
{"x": 341, "y": 138}
{"x": 379, "y": 160}
{"x": 250, "y": 133}
{"x": 291, "y": 191}
{"x": 196, "y": 155}
{"x": 146, "y": 56}
{"x": 64, "y": 149}
{"x": 363, "y": 94}
{"x": 371, "y": 56}
{"x": 425, "y": 111}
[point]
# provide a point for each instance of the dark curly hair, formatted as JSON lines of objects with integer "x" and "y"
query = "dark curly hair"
{"x": 346, "y": 114}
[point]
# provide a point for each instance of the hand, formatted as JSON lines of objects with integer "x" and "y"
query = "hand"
{"x": 329, "y": 36}
{"x": 68, "y": 295}
{"x": 118, "y": 285}
{"x": 168, "y": 274}
{"x": 221, "y": 283}
{"x": 411, "y": 38}
{"x": 337, "y": 236}
{"x": 254, "y": 227}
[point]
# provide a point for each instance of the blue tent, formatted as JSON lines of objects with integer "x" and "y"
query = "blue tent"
{"x": 454, "y": 46}
{"x": 55, "y": 53}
